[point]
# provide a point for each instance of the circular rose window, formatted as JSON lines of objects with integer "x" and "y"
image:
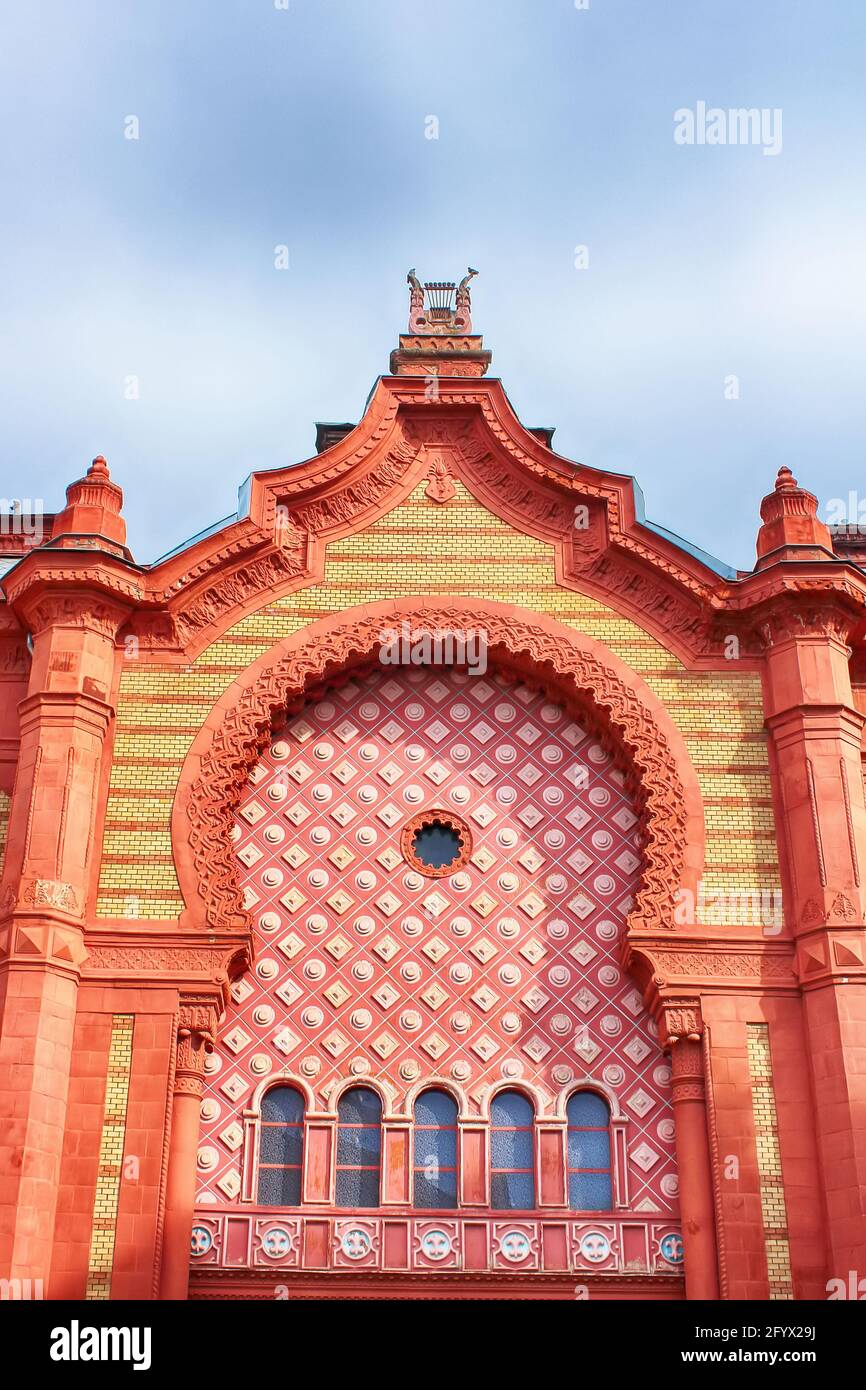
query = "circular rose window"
{"x": 436, "y": 843}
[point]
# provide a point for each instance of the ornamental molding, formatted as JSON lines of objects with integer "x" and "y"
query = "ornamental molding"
{"x": 460, "y": 431}
{"x": 49, "y": 595}
{"x": 456, "y": 432}
{"x": 664, "y": 973}
{"x": 577, "y": 670}
{"x": 343, "y": 507}
{"x": 147, "y": 961}
{"x": 234, "y": 590}
{"x": 205, "y": 972}
{"x": 75, "y": 609}
{"x": 808, "y": 619}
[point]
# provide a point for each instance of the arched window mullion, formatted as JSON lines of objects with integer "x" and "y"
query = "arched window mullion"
{"x": 590, "y": 1186}
{"x": 281, "y": 1148}
{"x": 434, "y": 1151}
{"x": 359, "y": 1150}
{"x": 512, "y": 1152}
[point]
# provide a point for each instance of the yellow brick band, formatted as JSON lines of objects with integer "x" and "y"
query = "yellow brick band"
{"x": 5, "y": 807}
{"x": 773, "y": 1208}
{"x": 424, "y": 548}
{"x": 111, "y": 1145}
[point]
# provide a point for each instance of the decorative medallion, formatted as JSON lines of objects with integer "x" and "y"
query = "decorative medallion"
{"x": 201, "y": 1240}
{"x": 355, "y": 1243}
{"x": 436, "y": 843}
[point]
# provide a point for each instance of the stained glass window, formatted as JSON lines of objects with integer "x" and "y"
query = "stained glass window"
{"x": 281, "y": 1147}
{"x": 512, "y": 1153}
{"x": 437, "y": 845}
{"x": 359, "y": 1148}
{"x": 434, "y": 1160}
{"x": 589, "y": 1174}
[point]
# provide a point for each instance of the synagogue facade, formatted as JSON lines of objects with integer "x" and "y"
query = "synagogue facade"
{"x": 435, "y": 880}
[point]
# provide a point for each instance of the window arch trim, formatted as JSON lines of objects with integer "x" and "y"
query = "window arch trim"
{"x": 523, "y": 1088}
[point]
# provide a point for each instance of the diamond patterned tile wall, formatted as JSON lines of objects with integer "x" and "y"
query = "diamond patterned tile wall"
{"x": 506, "y": 968}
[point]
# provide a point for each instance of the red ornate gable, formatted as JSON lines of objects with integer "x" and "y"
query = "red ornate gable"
{"x": 467, "y": 431}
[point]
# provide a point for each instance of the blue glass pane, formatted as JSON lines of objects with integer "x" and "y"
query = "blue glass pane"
{"x": 510, "y": 1108}
{"x": 434, "y": 1147}
{"x": 283, "y": 1103}
{"x": 586, "y": 1108}
{"x": 512, "y": 1191}
{"x": 588, "y": 1148}
{"x": 356, "y": 1189}
{"x": 511, "y": 1148}
{"x": 280, "y": 1144}
{"x": 359, "y": 1147}
{"x": 589, "y": 1192}
{"x": 279, "y": 1187}
{"x": 360, "y": 1106}
{"x": 436, "y": 845}
{"x": 435, "y": 1108}
{"x": 440, "y": 1193}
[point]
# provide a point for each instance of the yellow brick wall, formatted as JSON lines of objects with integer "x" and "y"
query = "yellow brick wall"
{"x": 424, "y": 548}
{"x": 5, "y": 805}
{"x": 102, "y": 1238}
{"x": 773, "y": 1208}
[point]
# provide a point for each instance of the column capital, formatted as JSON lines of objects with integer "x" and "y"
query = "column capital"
{"x": 793, "y": 616}
{"x": 197, "y": 1021}
{"x": 679, "y": 1021}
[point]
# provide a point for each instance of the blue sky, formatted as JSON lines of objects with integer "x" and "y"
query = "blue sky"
{"x": 306, "y": 127}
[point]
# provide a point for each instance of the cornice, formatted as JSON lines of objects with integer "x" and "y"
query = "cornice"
{"x": 464, "y": 430}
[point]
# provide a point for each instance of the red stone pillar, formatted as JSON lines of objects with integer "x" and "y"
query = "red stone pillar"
{"x": 816, "y": 738}
{"x": 72, "y": 600}
{"x": 63, "y": 722}
{"x": 680, "y": 1030}
{"x": 195, "y": 1036}
{"x": 805, "y": 616}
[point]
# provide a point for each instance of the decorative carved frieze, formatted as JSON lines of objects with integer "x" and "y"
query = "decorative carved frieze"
{"x": 234, "y": 591}
{"x": 341, "y": 507}
{"x": 680, "y": 1021}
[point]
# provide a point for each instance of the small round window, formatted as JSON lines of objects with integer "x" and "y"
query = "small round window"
{"x": 436, "y": 843}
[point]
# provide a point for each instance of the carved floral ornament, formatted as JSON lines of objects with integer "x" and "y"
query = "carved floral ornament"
{"x": 586, "y": 675}
{"x": 465, "y": 431}
{"x": 469, "y": 433}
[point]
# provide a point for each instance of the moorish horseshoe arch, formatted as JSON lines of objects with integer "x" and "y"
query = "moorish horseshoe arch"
{"x": 576, "y": 668}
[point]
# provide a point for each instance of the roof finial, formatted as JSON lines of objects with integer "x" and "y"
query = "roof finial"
{"x": 791, "y": 529}
{"x": 440, "y": 306}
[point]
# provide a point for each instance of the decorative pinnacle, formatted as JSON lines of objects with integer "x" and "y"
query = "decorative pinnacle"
{"x": 785, "y": 480}
{"x": 791, "y": 529}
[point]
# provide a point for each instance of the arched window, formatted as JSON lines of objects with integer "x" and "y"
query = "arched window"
{"x": 589, "y": 1182}
{"x": 512, "y": 1153}
{"x": 359, "y": 1148}
{"x": 281, "y": 1147}
{"x": 434, "y": 1150}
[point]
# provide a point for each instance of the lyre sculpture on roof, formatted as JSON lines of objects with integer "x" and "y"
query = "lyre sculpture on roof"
{"x": 440, "y": 306}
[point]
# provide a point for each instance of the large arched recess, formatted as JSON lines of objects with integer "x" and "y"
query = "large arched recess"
{"x": 581, "y": 672}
